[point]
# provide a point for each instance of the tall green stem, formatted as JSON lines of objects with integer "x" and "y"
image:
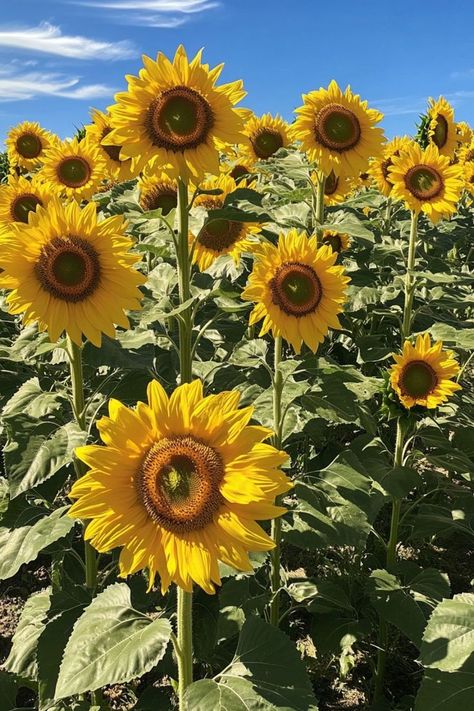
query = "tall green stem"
{"x": 184, "y": 649}
{"x": 276, "y": 522}
{"x": 319, "y": 206}
{"x": 78, "y": 406}
{"x": 410, "y": 278}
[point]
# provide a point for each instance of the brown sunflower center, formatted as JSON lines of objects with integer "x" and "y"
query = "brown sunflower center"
{"x": 424, "y": 182}
{"x": 239, "y": 172}
{"x": 29, "y": 145}
{"x": 219, "y": 234}
{"x": 296, "y": 289}
{"x": 161, "y": 197}
{"x": 334, "y": 241}
{"x": 331, "y": 183}
{"x": 337, "y": 128}
{"x": 112, "y": 151}
{"x": 178, "y": 483}
{"x": 23, "y": 205}
{"x": 74, "y": 172}
{"x": 266, "y": 142}
{"x": 179, "y": 119}
{"x": 440, "y": 133}
{"x": 418, "y": 379}
{"x": 68, "y": 268}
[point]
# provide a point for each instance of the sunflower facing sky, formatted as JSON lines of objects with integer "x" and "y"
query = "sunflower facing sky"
{"x": 97, "y": 132}
{"x": 68, "y": 272}
{"x": 426, "y": 181}
{"x": 26, "y": 144}
{"x": 442, "y": 129}
{"x": 379, "y": 167}
{"x": 338, "y": 131}
{"x": 74, "y": 169}
{"x": 174, "y": 114}
{"x": 220, "y": 236}
{"x": 266, "y": 135}
{"x": 297, "y": 289}
{"x": 179, "y": 486}
{"x": 20, "y": 196}
{"x": 423, "y": 374}
{"x": 157, "y": 191}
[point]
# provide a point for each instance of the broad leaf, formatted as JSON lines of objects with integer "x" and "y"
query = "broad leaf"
{"x": 448, "y": 641}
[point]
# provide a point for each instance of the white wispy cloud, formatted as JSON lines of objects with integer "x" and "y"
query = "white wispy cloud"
{"x": 153, "y": 13}
{"x": 402, "y": 105}
{"x": 17, "y": 86}
{"x": 49, "y": 39}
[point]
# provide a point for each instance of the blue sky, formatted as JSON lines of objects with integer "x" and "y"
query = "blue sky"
{"x": 60, "y": 57}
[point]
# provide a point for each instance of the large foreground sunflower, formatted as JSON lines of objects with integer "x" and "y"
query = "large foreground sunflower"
{"x": 220, "y": 236}
{"x": 69, "y": 272}
{"x": 338, "y": 130}
{"x": 97, "y": 132}
{"x": 173, "y": 113}
{"x": 442, "y": 129}
{"x": 266, "y": 135}
{"x": 20, "y": 196}
{"x": 426, "y": 181}
{"x": 297, "y": 288}
{"x": 180, "y": 485}
{"x": 157, "y": 191}
{"x": 423, "y": 374}
{"x": 26, "y": 144}
{"x": 74, "y": 169}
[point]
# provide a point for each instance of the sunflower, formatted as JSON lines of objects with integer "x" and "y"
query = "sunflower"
{"x": 422, "y": 374}
{"x": 336, "y": 187}
{"x": 118, "y": 170}
{"x": 240, "y": 166}
{"x": 69, "y": 272}
{"x": 266, "y": 135}
{"x": 180, "y": 485}
{"x": 426, "y": 181}
{"x": 174, "y": 114}
{"x": 220, "y": 236}
{"x": 466, "y": 152}
{"x": 338, "y": 130}
{"x": 379, "y": 166}
{"x": 26, "y": 144}
{"x": 338, "y": 241}
{"x": 157, "y": 191}
{"x": 464, "y": 133}
{"x": 469, "y": 177}
{"x": 20, "y": 196}
{"x": 74, "y": 169}
{"x": 442, "y": 130}
{"x": 297, "y": 289}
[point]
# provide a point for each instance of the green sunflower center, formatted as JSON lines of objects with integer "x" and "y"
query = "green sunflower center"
{"x": 334, "y": 241}
{"x": 178, "y": 483}
{"x": 74, "y": 172}
{"x": 440, "y": 134}
{"x": 219, "y": 234}
{"x": 29, "y": 145}
{"x": 179, "y": 119}
{"x": 337, "y": 128}
{"x": 424, "y": 182}
{"x": 331, "y": 183}
{"x": 296, "y": 289}
{"x": 23, "y": 205}
{"x": 161, "y": 197}
{"x": 418, "y": 379}
{"x": 68, "y": 268}
{"x": 267, "y": 142}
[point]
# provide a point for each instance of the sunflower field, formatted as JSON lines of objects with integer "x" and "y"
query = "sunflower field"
{"x": 236, "y": 407}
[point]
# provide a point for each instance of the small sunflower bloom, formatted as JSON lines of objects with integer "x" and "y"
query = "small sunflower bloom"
{"x": 338, "y": 241}
{"x": 20, "y": 196}
{"x": 26, "y": 144}
{"x": 266, "y": 135}
{"x": 337, "y": 188}
{"x": 73, "y": 169}
{"x": 423, "y": 374}
{"x": 442, "y": 130}
{"x": 380, "y": 166}
{"x": 117, "y": 170}
{"x": 297, "y": 289}
{"x": 157, "y": 191}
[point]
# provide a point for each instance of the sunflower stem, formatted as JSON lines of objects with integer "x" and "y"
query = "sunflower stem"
{"x": 276, "y": 522}
{"x": 184, "y": 647}
{"x": 78, "y": 405}
{"x": 409, "y": 278}
{"x": 319, "y": 207}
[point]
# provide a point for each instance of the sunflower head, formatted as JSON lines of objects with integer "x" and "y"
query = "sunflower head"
{"x": 70, "y": 273}
{"x": 220, "y": 236}
{"x": 338, "y": 241}
{"x": 426, "y": 181}
{"x": 266, "y": 135}
{"x": 74, "y": 169}
{"x": 97, "y": 132}
{"x": 297, "y": 289}
{"x": 20, "y": 196}
{"x": 179, "y": 485}
{"x": 380, "y": 166}
{"x": 423, "y": 374}
{"x": 441, "y": 126}
{"x": 464, "y": 133}
{"x": 26, "y": 145}
{"x": 157, "y": 191}
{"x": 174, "y": 113}
{"x": 338, "y": 130}
{"x": 336, "y": 187}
